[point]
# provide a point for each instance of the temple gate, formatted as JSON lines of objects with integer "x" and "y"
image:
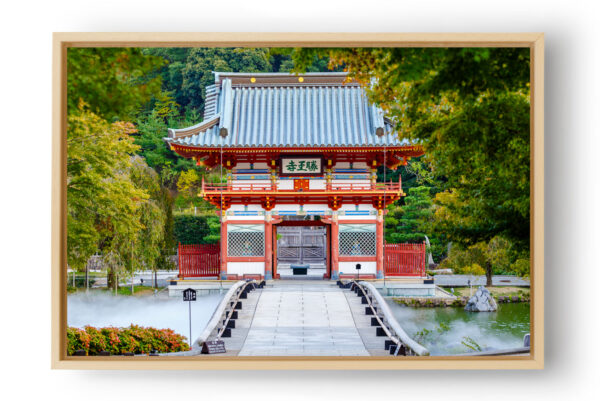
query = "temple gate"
{"x": 300, "y": 155}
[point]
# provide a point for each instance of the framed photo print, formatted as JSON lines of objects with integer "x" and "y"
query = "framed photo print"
{"x": 298, "y": 201}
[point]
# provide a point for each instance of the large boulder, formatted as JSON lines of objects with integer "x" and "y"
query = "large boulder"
{"x": 482, "y": 301}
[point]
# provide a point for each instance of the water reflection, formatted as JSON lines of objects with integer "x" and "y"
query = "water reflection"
{"x": 502, "y": 329}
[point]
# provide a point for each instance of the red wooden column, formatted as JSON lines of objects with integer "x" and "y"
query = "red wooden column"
{"x": 223, "y": 250}
{"x": 268, "y": 250}
{"x": 269, "y": 221}
{"x": 379, "y": 244}
{"x": 335, "y": 249}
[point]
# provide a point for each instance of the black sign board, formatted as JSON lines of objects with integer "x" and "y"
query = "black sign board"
{"x": 213, "y": 347}
{"x": 189, "y": 295}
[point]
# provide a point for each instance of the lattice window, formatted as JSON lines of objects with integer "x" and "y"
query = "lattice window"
{"x": 245, "y": 240}
{"x": 357, "y": 240}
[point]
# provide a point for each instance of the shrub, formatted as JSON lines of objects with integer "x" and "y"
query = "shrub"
{"x": 136, "y": 339}
{"x": 80, "y": 281}
{"x": 474, "y": 270}
{"x": 196, "y": 229}
{"x": 496, "y": 253}
{"x": 463, "y": 260}
{"x": 520, "y": 267}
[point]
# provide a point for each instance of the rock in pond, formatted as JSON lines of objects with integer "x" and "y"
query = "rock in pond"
{"x": 482, "y": 301}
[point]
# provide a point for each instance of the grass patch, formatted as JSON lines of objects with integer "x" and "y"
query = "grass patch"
{"x": 495, "y": 291}
{"x": 126, "y": 290}
{"x": 122, "y": 290}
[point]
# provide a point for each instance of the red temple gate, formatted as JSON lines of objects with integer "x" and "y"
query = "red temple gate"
{"x": 199, "y": 260}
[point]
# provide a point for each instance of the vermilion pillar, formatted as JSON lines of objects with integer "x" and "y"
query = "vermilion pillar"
{"x": 223, "y": 250}
{"x": 379, "y": 241}
{"x": 268, "y": 250}
{"x": 335, "y": 250}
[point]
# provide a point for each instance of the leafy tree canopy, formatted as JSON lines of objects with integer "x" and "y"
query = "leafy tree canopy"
{"x": 113, "y": 82}
{"x": 197, "y": 74}
{"x": 101, "y": 198}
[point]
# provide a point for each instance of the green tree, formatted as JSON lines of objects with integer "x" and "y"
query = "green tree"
{"x": 201, "y": 62}
{"x": 150, "y": 239}
{"x": 408, "y": 220}
{"x": 101, "y": 199}
{"x": 155, "y": 151}
{"x": 489, "y": 258}
{"x": 411, "y": 222}
{"x": 189, "y": 183}
{"x": 109, "y": 208}
{"x": 114, "y": 83}
{"x": 197, "y": 229}
{"x": 172, "y": 70}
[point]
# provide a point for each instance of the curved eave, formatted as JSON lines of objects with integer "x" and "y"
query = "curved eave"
{"x": 191, "y": 151}
{"x": 175, "y": 134}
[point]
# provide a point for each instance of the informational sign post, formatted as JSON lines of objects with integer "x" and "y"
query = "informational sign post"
{"x": 189, "y": 295}
{"x": 213, "y": 347}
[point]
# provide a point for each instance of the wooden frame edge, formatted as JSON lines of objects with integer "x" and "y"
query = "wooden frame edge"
{"x": 316, "y": 39}
{"x": 304, "y": 363}
{"x": 63, "y": 40}
{"x": 58, "y": 202}
{"x": 537, "y": 200}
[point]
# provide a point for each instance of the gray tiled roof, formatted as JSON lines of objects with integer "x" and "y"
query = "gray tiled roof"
{"x": 276, "y": 111}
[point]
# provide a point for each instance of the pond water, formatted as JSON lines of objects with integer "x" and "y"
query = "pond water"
{"x": 103, "y": 310}
{"x": 502, "y": 329}
{"x": 451, "y": 328}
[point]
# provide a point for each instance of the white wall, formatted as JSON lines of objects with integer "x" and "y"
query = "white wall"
{"x": 365, "y": 267}
{"x": 250, "y": 207}
{"x": 245, "y": 217}
{"x": 351, "y": 181}
{"x": 317, "y": 184}
{"x": 265, "y": 183}
{"x": 367, "y": 219}
{"x": 285, "y": 184}
{"x": 352, "y": 207}
{"x": 287, "y": 207}
{"x": 315, "y": 207}
{"x": 242, "y": 268}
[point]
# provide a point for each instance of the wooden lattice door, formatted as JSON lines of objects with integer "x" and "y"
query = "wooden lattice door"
{"x": 301, "y": 245}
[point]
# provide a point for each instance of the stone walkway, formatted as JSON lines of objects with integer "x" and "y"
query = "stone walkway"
{"x": 302, "y": 319}
{"x": 461, "y": 280}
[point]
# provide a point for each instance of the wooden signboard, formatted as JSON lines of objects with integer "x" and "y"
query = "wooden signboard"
{"x": 295, "y": 166}
{"x": 213, "y": 347}
{"x": 189, "y": 295}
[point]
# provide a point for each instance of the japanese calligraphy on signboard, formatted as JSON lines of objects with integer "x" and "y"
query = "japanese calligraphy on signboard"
{"x": 301, "y": 165}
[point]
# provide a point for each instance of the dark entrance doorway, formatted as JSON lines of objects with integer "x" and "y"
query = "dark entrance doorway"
{"x": 302, "y": 251}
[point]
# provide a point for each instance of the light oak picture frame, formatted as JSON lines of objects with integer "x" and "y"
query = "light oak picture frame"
{"x": 63, "y": 41}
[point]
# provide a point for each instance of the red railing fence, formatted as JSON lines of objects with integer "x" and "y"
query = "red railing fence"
{"x": 405, "y": 259}
{"x": 252, "y": 187}
{"x": 199, "y": 260}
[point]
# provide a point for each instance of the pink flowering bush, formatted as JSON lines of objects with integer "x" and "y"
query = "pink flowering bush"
{"x": 136, "y": 339}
